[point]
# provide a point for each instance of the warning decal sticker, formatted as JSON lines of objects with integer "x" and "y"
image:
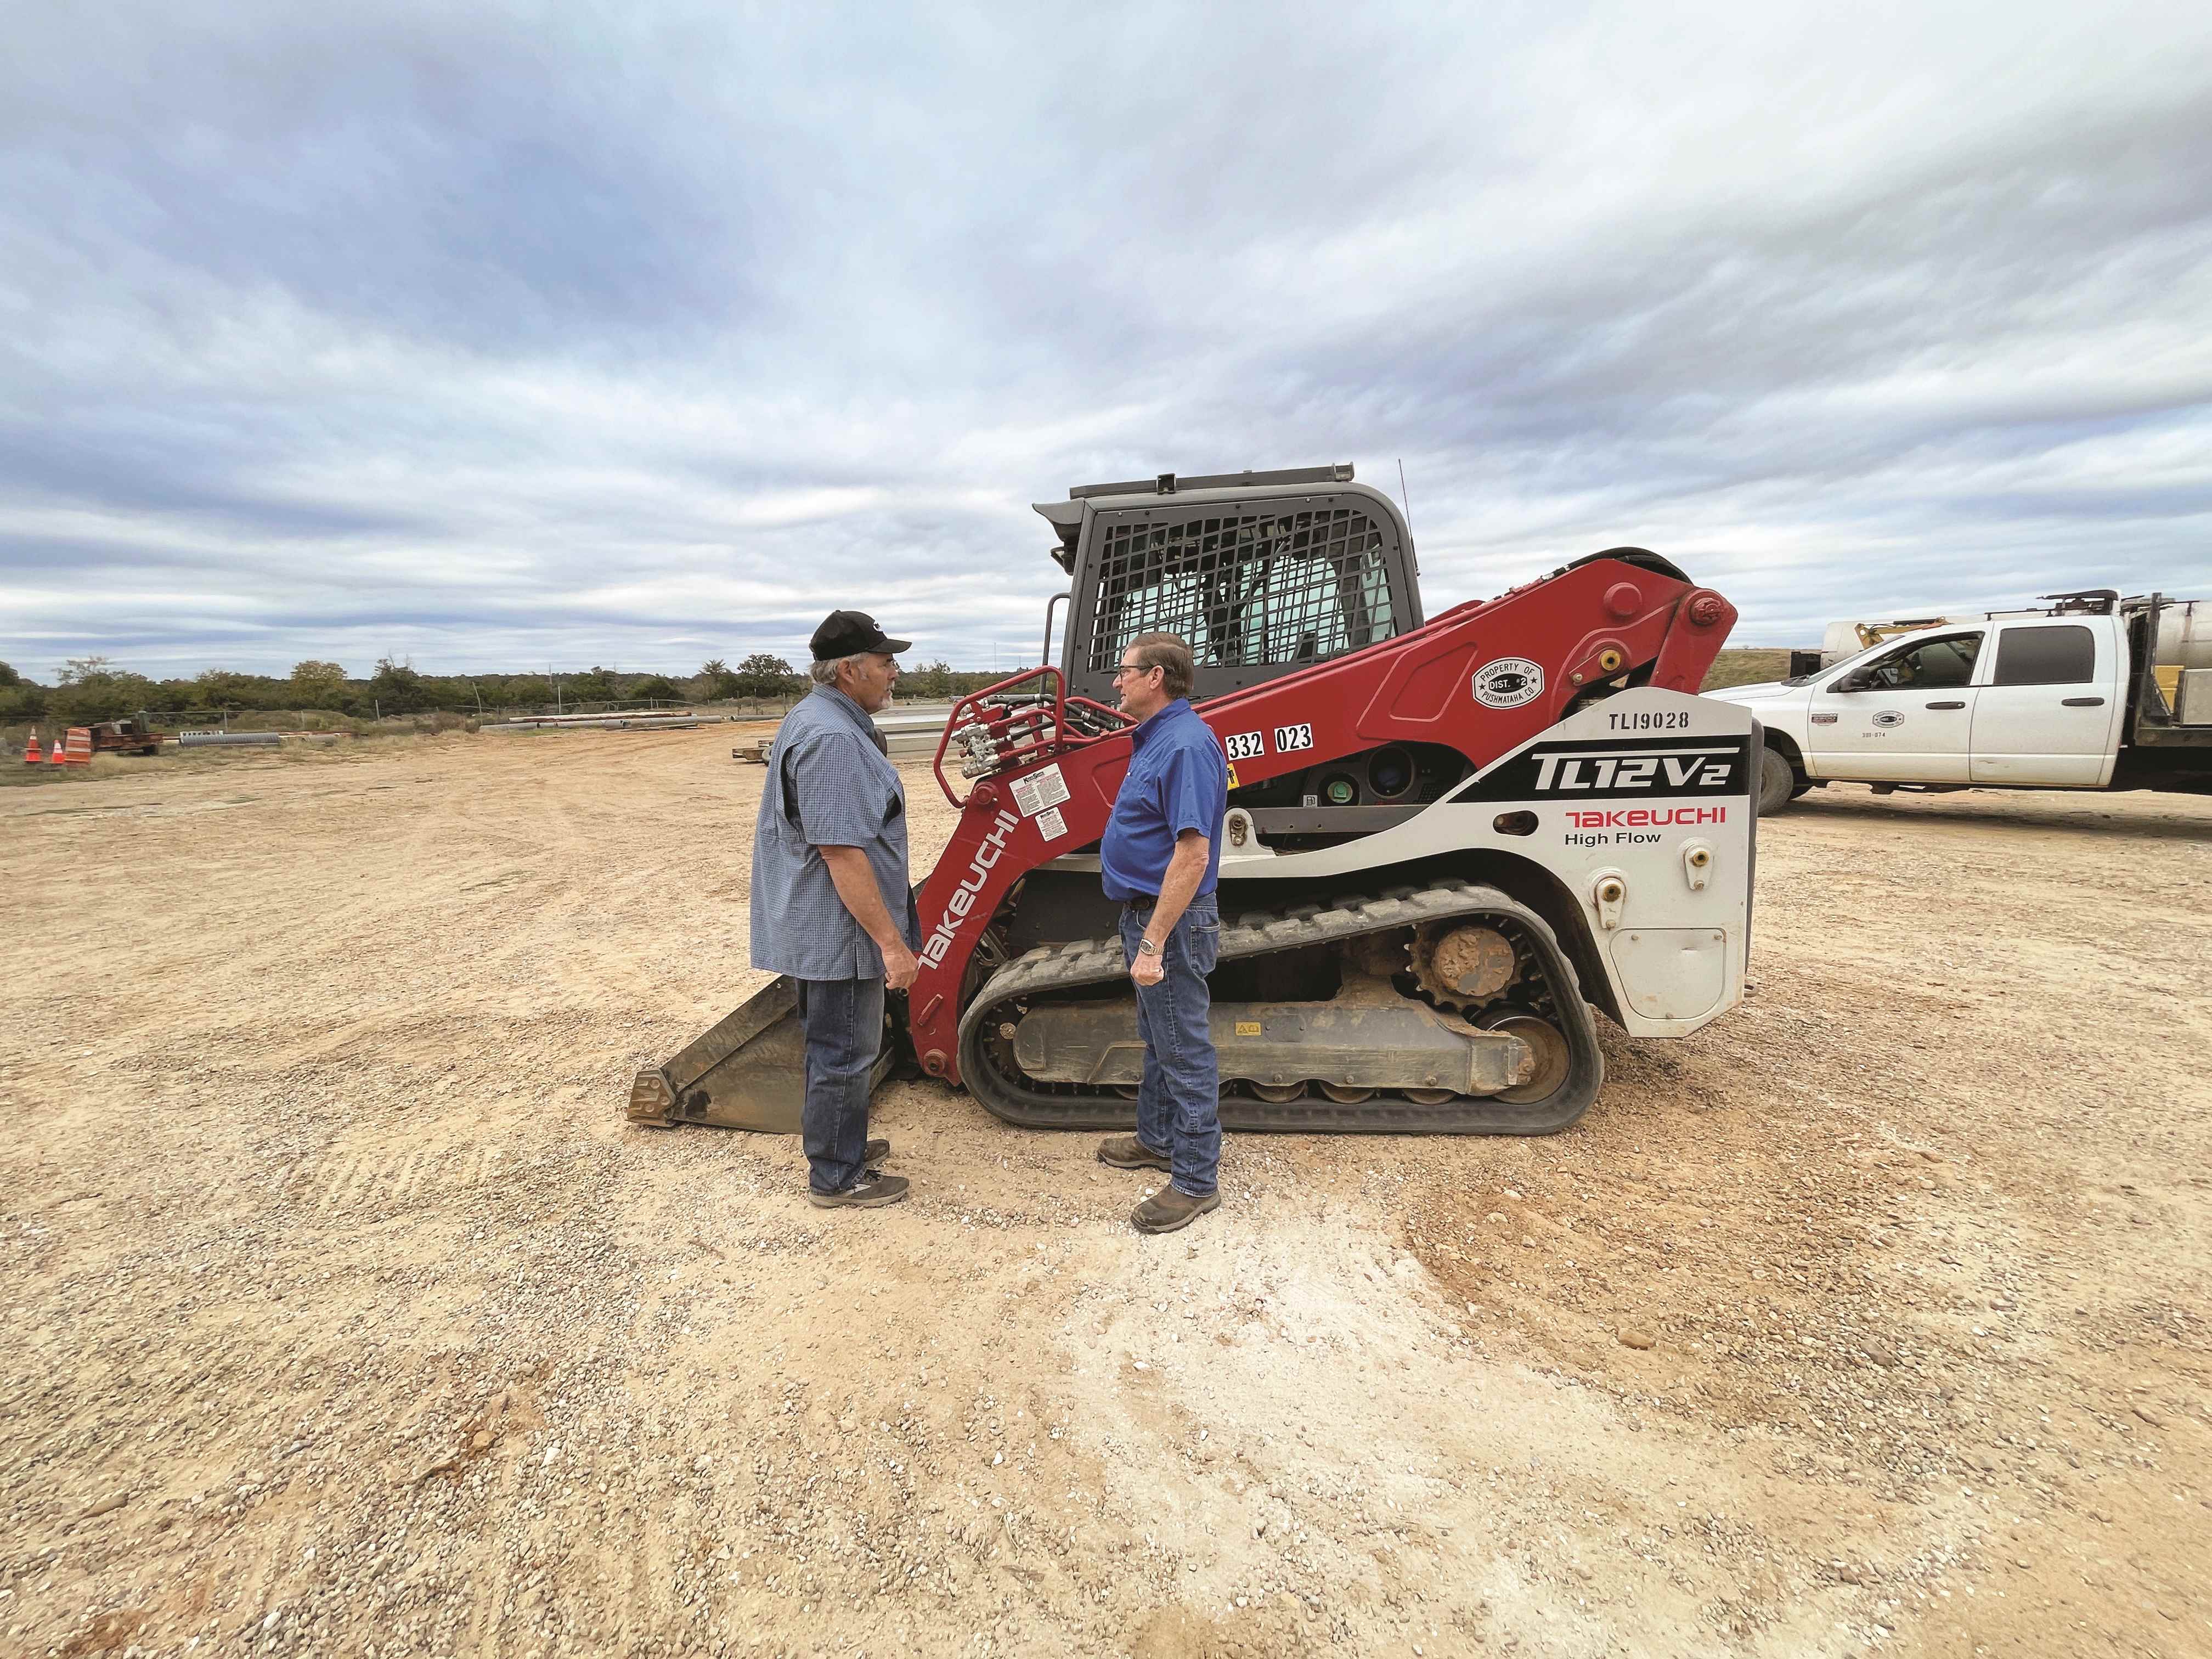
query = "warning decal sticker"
{"x": 1033, "y": 793}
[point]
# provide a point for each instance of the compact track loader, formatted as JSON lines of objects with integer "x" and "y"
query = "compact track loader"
{"x": 1448, "y": 840}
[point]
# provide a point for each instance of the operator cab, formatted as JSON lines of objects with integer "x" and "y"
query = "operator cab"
{"x": 1263, "y": 572}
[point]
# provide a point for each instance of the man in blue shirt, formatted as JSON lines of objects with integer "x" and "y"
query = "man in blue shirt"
{"x": 832, "y": 906}
{"x": 1160, "y": 857}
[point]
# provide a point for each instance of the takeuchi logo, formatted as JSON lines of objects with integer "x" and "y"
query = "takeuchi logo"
{"x": 963, "y": 897}
{"x": 1647, "y": 817}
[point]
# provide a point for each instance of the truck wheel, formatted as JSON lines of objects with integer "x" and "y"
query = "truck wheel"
{"x": 1778, "y": 782}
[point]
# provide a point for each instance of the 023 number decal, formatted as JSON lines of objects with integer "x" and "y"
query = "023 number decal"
{"x": 1244, "y": 745}
{"x": 1288, "y": 738}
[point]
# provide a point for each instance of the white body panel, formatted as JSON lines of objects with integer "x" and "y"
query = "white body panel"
{"x": 1917, "y": 730}
{"x": 2055, "y": 722}
{"x": 1649, "y": 787}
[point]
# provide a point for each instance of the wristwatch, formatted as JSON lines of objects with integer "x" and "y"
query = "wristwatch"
{"x": 1146, "y": 948}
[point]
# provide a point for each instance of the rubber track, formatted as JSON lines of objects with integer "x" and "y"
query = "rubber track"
{"x": 1099, "y": 962}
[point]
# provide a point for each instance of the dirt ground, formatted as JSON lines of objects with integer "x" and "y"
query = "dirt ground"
{"x": 343, "y": 1314}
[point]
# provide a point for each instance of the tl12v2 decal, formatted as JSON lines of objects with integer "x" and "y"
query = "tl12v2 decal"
{"x": 1611, "y": 769}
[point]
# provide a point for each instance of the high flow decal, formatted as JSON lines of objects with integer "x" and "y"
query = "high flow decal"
{"x": 1636, "y": 767}
{"x": 963, "y": 897}
{"x": 1508, "y": 682}
{"x": 1634, "y": 826}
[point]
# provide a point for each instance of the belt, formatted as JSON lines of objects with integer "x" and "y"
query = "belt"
{"x": 1142, "y": 902}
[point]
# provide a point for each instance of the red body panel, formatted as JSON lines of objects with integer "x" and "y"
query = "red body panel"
{"x": 1592, "y": 623}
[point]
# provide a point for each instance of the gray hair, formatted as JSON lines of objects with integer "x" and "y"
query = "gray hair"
{"x": 824, "y": 670}
{"x": 1170, "y": 653}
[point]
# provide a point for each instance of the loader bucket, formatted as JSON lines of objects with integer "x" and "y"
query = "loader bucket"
{"x": 748, "y": 1073}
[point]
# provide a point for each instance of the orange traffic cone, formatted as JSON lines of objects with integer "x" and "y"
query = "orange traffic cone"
{"x": 31, "y": 753}
{"x": 57, "y": 755}
{"x": 80, "y": 745}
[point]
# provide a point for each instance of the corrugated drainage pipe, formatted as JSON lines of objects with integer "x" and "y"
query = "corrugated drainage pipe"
{"x": 228, "y": 739}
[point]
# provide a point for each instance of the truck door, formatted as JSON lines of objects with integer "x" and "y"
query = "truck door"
{"x": 2049, "y": 713}
{"x": 1905, "y": 714}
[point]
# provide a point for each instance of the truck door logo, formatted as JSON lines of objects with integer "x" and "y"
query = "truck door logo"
{"x": 1508, "y": 682}
{"x": 1889, "y": 717}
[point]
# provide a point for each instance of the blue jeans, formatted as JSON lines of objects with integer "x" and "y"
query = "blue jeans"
{"x": 843, "y": 1020}
{"x": 1179, "y": 1102}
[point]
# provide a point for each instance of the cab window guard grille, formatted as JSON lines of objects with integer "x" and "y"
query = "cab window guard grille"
{"x": 1244, "y": 588}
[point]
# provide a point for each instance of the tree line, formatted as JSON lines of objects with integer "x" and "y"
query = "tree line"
{"x": 90, "y": 688}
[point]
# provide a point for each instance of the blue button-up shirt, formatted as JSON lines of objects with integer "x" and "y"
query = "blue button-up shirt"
{"x": 827, "y": 785}
{"x": 1177, "y": 780}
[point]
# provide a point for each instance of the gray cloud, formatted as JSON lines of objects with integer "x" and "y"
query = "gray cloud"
{"x": 510, "y": 335}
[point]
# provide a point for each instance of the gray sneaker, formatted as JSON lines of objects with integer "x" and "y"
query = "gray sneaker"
{"x": 1128, "y": 1153}
{"x": 874, "y": 1153}
{"x": 871, "y": 1191}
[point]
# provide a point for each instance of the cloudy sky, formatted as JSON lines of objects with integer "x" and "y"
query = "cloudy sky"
{"x": 497, "y": 337}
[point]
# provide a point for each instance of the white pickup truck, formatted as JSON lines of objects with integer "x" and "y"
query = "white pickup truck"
{"x": 2092, "y": 692}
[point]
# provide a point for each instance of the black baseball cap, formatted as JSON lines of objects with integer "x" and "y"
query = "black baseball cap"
{"x": 848, "y": 633}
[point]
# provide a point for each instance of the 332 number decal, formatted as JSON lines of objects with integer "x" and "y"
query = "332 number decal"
{"x": 1244, "y": 745}
{"x": 1288, "y": 738}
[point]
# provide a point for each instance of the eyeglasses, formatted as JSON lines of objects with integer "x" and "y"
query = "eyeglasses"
{"x": 1129, "y": 668}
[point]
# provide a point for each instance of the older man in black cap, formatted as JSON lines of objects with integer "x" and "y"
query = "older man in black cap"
{"x": 831, "y": 904}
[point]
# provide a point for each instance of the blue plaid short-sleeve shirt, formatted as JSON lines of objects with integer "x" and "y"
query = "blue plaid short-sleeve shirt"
{"x": 828, "y": 785}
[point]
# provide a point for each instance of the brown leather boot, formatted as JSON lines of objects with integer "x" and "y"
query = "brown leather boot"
{"x": 1167, "y": 1209}
{"x": 1128, "y": 1153}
